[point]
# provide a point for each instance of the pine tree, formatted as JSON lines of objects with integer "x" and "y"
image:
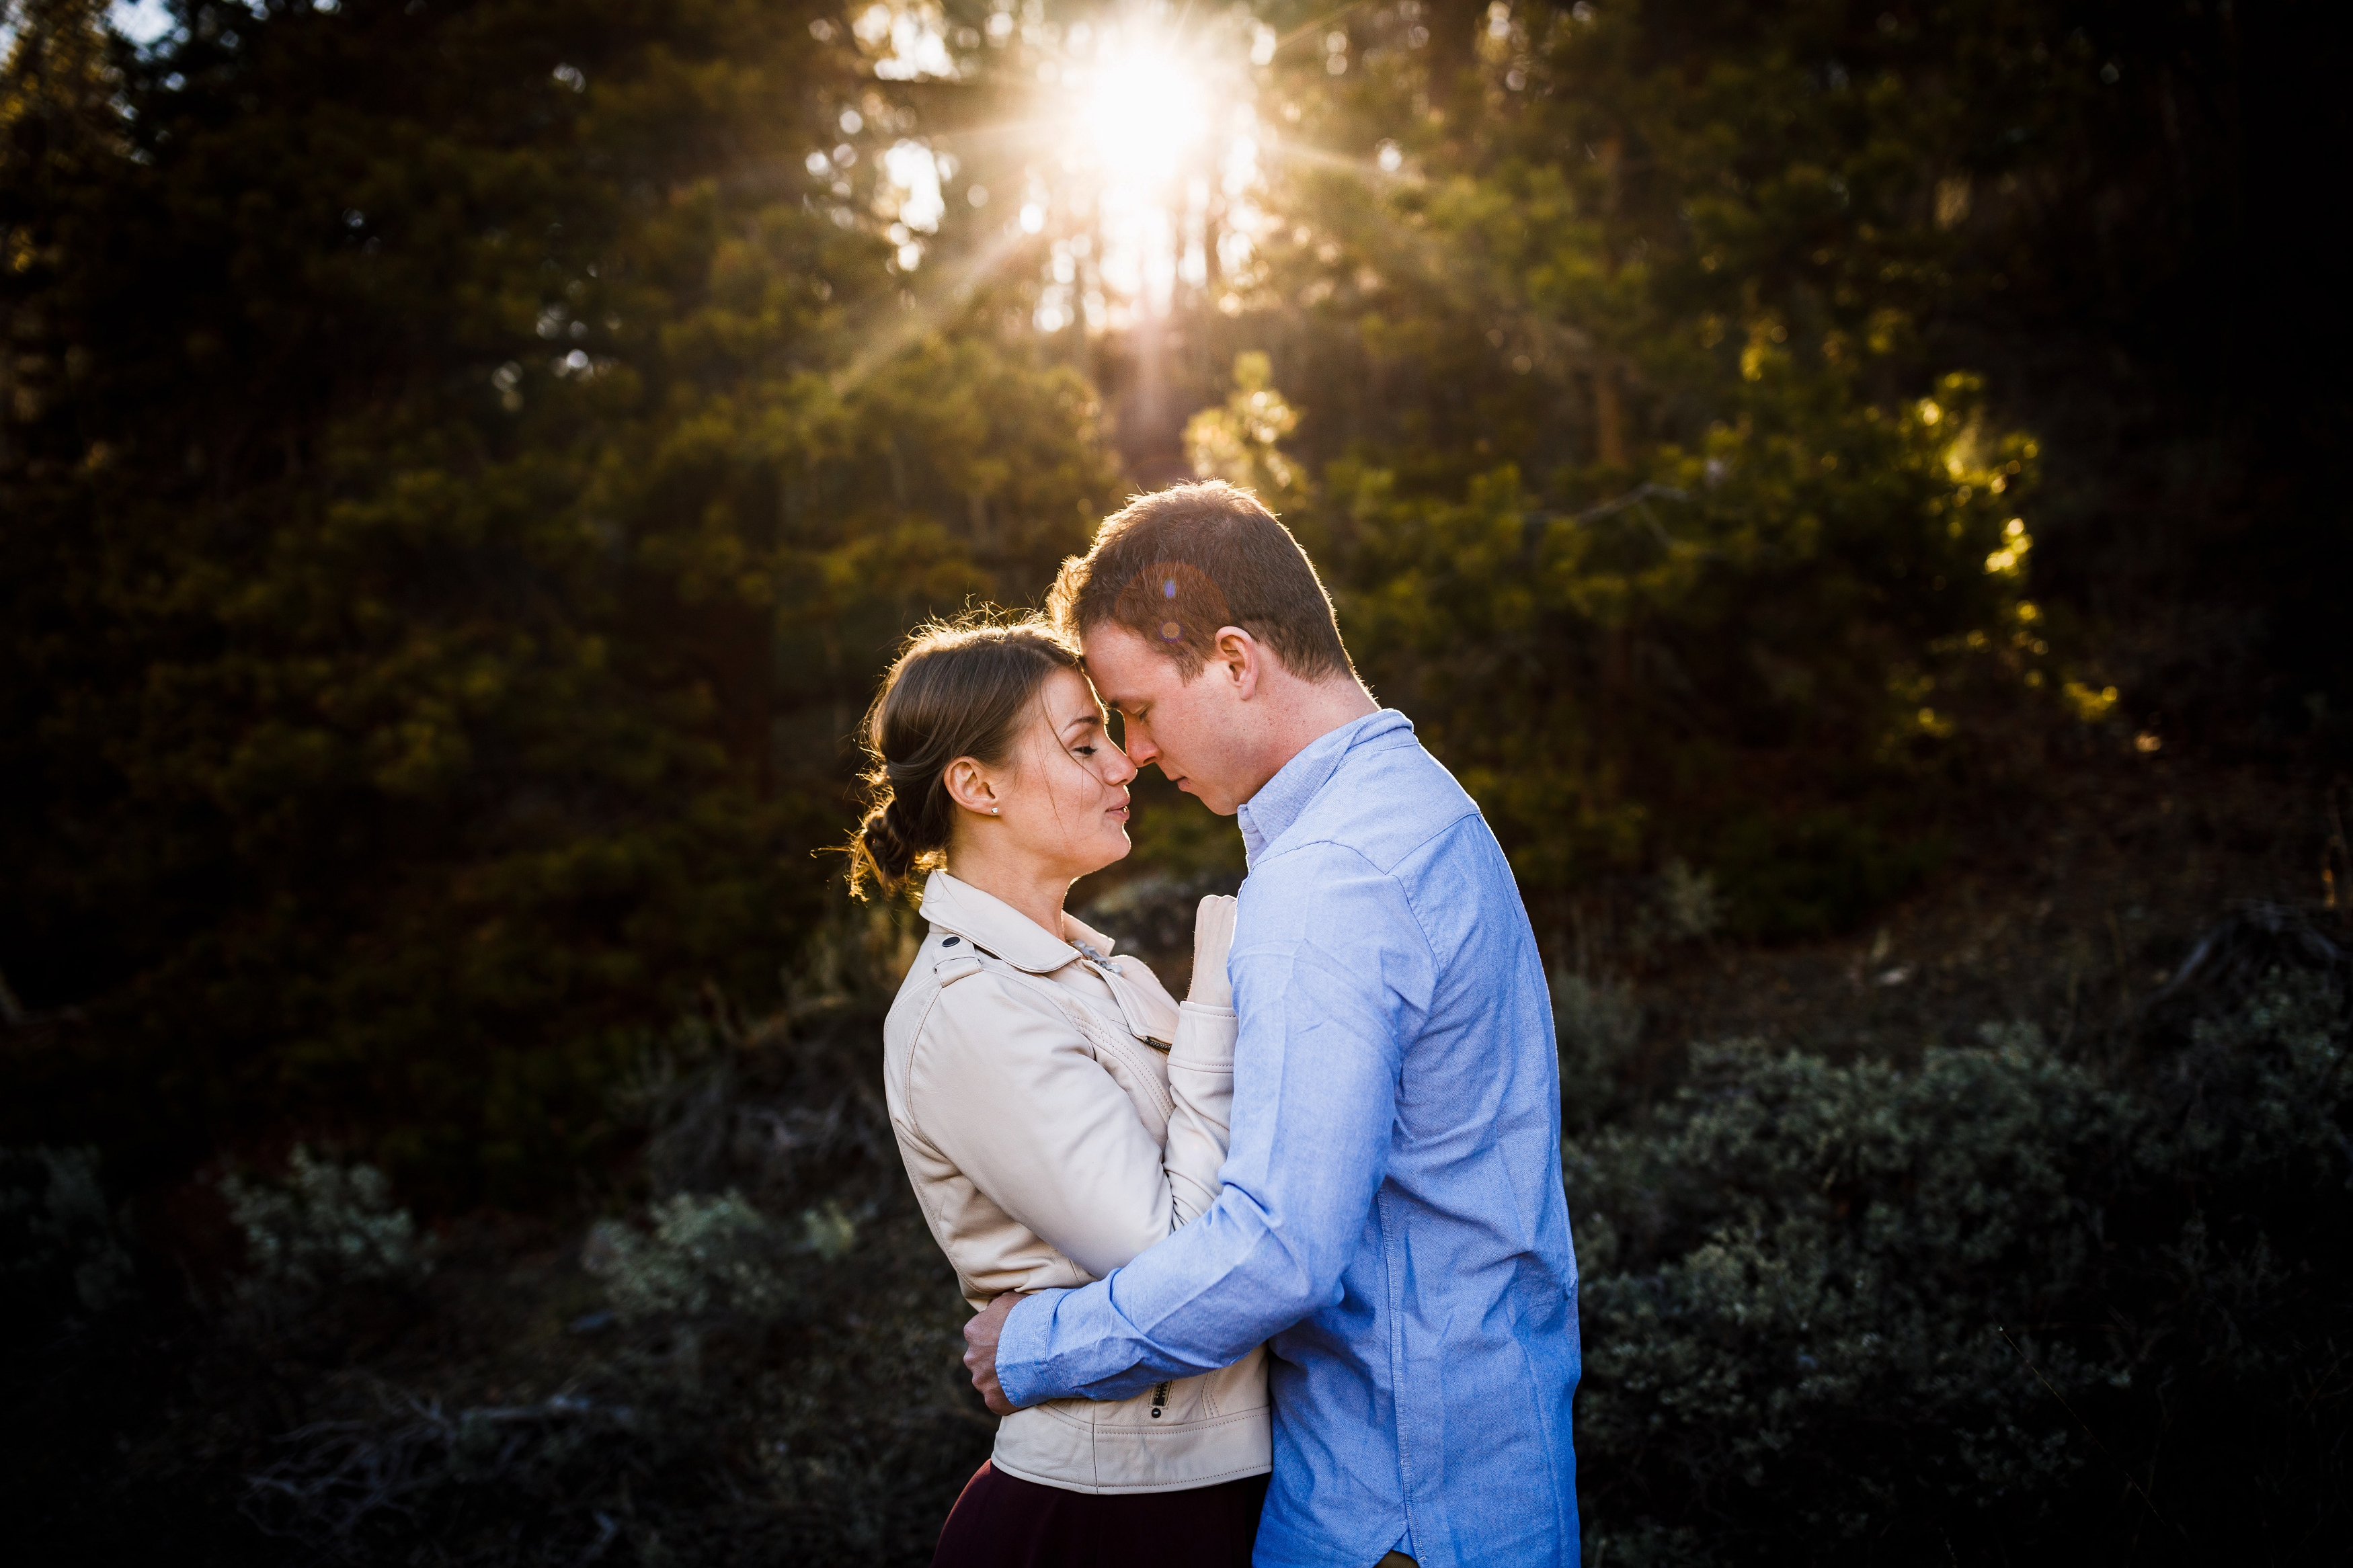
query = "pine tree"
{"x": 499, "y": 472}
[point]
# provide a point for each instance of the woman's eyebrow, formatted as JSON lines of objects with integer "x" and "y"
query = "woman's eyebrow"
{"x": 1085, "y": 719}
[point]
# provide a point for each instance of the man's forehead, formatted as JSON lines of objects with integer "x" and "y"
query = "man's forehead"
{"x": 1124, "y": 668}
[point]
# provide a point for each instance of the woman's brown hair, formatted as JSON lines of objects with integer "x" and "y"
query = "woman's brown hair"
{"x": 959, "y": 688}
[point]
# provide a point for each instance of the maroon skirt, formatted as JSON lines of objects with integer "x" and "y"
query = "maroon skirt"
{"x": 1004, "y": 1522}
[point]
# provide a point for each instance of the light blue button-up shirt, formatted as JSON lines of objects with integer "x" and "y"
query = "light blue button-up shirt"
{"x": 1392, "y": 1219}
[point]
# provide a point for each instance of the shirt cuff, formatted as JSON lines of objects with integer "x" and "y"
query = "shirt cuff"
{"x": 1022, "y": 1347}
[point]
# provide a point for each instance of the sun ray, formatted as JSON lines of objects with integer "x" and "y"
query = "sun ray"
{"x": 895, "y": 327}
{"x": 1300, "y": 152}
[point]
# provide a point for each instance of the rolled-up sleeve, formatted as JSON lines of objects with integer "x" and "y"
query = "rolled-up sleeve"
{"x": 1332, "y": 974}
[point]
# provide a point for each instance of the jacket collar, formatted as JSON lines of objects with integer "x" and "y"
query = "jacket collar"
{"x": 988, "y": 921}
{"x": 1281, "y": 801}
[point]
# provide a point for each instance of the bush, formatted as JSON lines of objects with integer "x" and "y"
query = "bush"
{"x": 1818, "y": 875}
{"x": 326, "y": 1224}
{"x": 1798, "y": 1275}
{"x": 62, "y": 1253}
{"x": 1597, "y": 1024}
{"x": 708, "y": 1411}
{"x": 712, "y": 1254}
{"x": 1883, "y": 1308}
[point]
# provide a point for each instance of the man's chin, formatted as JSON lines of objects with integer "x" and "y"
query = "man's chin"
{"x": 1216, "y": 807}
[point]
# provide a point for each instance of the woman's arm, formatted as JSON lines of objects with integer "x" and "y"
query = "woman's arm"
{"x": 1004, "y": 1087}
{"x": 1201, "y": 1067}
{"x": 1007, "y": 1089}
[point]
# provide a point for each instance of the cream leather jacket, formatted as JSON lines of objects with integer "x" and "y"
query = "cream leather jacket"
{"x": 1058, "y": 1114}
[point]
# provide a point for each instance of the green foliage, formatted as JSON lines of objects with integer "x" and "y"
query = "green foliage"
{"x": 1685, "y": 905}
{"x": 1637, "y": 484}
{"x": 1597, "y": 1024}
{"x": 1241, "y": 442}
{"x": 762, "y": 1145}
{"x": 461, "y": 468}
{"x": 1802, "y": 1254}
{"x": 449, "y": 571}
{"x": 1818, "y": 874}
{"x": 763, "y": 1383}
{"x": 1807, "y": 603}
{"x": 325, "y": 1226}
{"x": 1868, "y": 1305}
{"x": 712, "y": 1254}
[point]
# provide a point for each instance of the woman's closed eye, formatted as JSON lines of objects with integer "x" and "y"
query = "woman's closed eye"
{"x": 1085, "y": 735}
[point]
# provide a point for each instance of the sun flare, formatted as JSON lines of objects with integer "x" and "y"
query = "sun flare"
{"x": 1140, "y": 113}
{"x": 1144, "y": 188}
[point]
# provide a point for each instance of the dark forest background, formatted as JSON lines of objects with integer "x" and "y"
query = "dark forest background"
{"x": 1856, "y": 490}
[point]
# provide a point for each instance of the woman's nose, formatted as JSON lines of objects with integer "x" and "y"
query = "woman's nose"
{"x": 1121, "y": 767}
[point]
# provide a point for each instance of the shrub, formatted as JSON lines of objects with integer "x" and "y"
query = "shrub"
{"x": 1886, "y": 1308}
{"x": 1819, "y": 873}
{"x": 1597, "y": 1024}
{"x": 325, "y": 1229}
{"x": 705, "y": 1414}
{"x": 1798, "y": 1275}
{"x": 708, "y": 1254}
{"x": 1685, "y": 905}
{"x": 61, "y": 1252}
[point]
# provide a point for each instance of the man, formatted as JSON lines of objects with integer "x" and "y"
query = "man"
{"x": 1392, "y": 1221}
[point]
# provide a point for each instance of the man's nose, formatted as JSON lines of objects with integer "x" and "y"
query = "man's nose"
{"x": 1137, "y": 741}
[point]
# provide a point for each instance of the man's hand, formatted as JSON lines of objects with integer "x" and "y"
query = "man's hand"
{"x": 980, "y": 1350}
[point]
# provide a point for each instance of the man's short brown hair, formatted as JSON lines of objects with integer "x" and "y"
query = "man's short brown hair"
{"x": 1174, "y": 565}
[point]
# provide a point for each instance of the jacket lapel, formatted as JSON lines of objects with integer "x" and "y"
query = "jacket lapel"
{"x": 995, "y": 927}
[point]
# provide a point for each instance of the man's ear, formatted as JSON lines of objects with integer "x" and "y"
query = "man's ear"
{"x": 1236, "y": 657}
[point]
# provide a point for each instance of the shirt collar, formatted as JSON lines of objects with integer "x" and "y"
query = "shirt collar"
{"x": 1268, "y": 813}
{"x": 989, "y": 923}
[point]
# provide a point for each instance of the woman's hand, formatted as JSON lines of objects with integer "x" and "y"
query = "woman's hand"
{"x": 1213, "y": 939}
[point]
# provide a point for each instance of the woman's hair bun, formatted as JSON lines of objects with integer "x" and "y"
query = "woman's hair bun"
{"x": 886, "y": 851}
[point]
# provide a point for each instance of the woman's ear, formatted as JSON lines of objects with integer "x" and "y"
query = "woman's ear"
{"x": 968, "y": 784}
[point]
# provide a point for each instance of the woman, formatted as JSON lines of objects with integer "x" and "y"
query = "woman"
{"x": 1058, "y": 1113}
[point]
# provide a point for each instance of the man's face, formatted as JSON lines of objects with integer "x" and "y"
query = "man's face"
{"x": 1195, "y": 731}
